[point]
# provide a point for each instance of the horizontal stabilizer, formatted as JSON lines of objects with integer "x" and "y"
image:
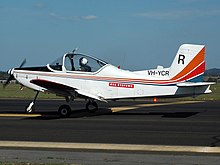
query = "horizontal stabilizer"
{"x": 194, "y": 84}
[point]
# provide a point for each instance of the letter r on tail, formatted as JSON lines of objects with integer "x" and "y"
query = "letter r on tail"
{"x": 181, "y": 59}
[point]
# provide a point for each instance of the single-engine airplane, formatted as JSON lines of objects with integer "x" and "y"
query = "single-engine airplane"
{"x": 79, "y": 75}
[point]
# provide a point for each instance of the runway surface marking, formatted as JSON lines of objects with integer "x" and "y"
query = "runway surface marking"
{"x": 126, "y": 108}
{"x": 104, "y": 146}
{"x": 20, "y": 115}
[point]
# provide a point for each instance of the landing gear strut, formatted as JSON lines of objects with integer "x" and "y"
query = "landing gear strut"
{"x": 30, "y": 108}
{"x": 91, "y": 106}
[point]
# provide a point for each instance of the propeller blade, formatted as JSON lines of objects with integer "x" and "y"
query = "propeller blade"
{"x": 23, "y": 62}
{"x": 11, "y": 77}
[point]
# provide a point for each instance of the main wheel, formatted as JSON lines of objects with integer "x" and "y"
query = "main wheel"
{"x": 64, "y": 111}
{"x": 92, "y": 106}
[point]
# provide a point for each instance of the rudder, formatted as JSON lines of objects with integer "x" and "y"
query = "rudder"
{"x": 188, "y": 64}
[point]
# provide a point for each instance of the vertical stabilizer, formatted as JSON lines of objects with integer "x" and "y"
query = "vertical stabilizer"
{"x": 188, "y": 64}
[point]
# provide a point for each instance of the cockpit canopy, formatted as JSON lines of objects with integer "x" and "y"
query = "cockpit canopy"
{"x": 71, "y": 62}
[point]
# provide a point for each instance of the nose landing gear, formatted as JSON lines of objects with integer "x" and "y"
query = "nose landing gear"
{"x": 30, "y": 108}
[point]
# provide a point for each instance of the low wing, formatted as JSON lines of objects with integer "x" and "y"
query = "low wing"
{"x": 65, "y": 90}
{"x": 194, "y": 84}
{"x": 89, "y": 95}
{"x": 49, "y": 85}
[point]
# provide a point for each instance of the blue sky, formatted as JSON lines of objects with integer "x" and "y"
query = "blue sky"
{"x": 136, "y": 34}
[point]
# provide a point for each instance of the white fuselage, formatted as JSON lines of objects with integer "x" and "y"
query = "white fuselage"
{"x": 109, "y": 82}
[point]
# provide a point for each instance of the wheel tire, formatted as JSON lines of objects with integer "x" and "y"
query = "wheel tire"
{"x": 29, "y": 111}
{"x": 64, "y": 111}
{"x": 91, "y": 106}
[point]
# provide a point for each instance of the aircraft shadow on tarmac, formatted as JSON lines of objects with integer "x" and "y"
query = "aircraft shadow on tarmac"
{"x": 103, "y": 112}
{"x": 74, "y": 114}
{"x": 216, "y": 141}
{"x": 165, "y": 114}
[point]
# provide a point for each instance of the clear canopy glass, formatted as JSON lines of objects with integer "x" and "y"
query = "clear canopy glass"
{"x": 77, "y": 62}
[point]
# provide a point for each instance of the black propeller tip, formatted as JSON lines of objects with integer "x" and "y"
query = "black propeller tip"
{"x": 23, "y": 62}
{"x": 11, "y": 77}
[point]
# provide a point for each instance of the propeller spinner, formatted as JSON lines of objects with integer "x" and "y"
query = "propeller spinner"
{"x": 10, "y": 72}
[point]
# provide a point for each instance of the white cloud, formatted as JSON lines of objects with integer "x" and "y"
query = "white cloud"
{"x": 72, "y": 18}
{"x": 64, "y": 18}
{"x": 40, "y": 5}
{"x": 52, "y": 14}
{"x": 177, "y": 14}
{"x": 89, "y": 17}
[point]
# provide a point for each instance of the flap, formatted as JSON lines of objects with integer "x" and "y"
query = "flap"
{"x": 194, "y": 84}
{"x": 87, "y": 94}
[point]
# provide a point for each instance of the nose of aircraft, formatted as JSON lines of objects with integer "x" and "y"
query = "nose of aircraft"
{"x": 11, "y": 77}
{"x": 10, "y": 71}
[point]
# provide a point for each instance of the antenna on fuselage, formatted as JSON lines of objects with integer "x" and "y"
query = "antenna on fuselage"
{"x": 74, "y": 50}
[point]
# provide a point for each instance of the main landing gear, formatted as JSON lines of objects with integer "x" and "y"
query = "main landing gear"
{"x": 65, "y": 110}
{"x": 91, "y": 106}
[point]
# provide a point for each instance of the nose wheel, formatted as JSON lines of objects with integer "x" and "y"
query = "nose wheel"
{"x": 91, "y": 106}
{"x": 30, "y": 108}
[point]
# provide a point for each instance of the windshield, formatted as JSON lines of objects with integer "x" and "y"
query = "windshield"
{"x": 57, "y": 64}
{"x": 77, "y": 62}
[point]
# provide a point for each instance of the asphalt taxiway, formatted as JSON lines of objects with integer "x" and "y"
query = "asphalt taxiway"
{"x": 161, "y": 126}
